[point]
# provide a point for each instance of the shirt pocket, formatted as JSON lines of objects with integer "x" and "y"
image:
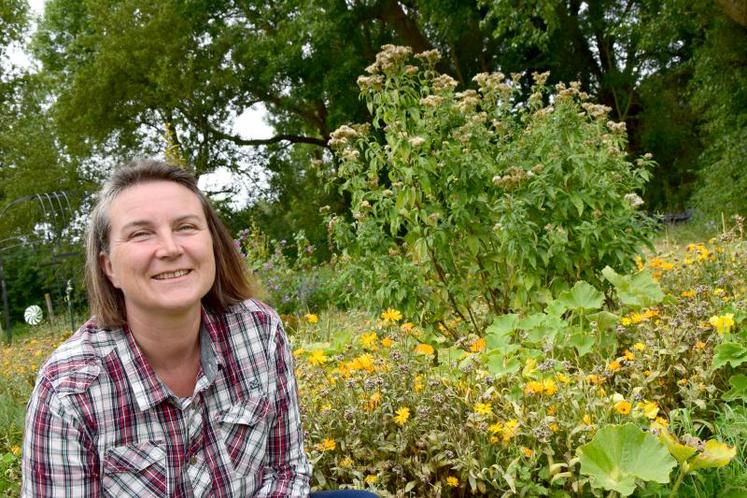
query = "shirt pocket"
{"x": 136, "y": 470}
{"x": 244, "y": 429}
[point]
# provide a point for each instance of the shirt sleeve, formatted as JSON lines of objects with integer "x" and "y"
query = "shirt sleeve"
{"x": 58, "y": 460}
{"x": 288, "y": 472}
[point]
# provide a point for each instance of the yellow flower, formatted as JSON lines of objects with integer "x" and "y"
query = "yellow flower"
{"x": 483, "y": 409}
{"x": 700, "y": 345}
{"x": 373, "y": 401}
{"x": 562, "y": 378}
{"x": 298, "y": 352}
{"x": 722, "y": 323}
{"x": 682, "y": 382}
{"x": 552, "y": 410}
{"x": 387, "y": 342}
{"x": 533, "y": 387}
{"x": 391, "y": 315}
{"x": 639, "y": 263}
{"x": 554, "y": 427}
{"x": 549, "y": 387}
{"x": 424, "y": 349}
{"x": 613, "y": 366}
{"x": 16, "y": 450}
{"x": 509, "y": 429}
{"x": 418, "y": 383}
{"x": 718, "y": 291}
{"x": 639, "y": 346}
{"x": 311, "y": 318}
{"x": 587, "y": 419}
{"x": 636, "y": 317}
{"x": 346, "y": 462}
{"x": 528, "y": 452}
{"x": 649, "y": 408}
{"x": 495, "y": 428}
{"x": 403, "y": 414}
{"x": 362, "y": 362}
{"x": 622, "y": 407}
{"x": 317, "y": 357}
{"x": 478, "y": 345}
{"x": 594, "y": 379}
{"x": 661, "y": 421}
{"x": 452, "y": 482}
{"x": 372, "y": 479}
{"x": 625, "y": 321}
{"x": 407, "y": 327}
{"x": 369, "y": 340}
{"x": 629, "y": 355}
{"x": 688, "y": 293}
{"x": 326, "y": 445}
{"x": 650, "y": 313}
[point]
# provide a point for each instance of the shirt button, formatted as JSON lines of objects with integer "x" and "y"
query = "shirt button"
{"x": 193, "y": 460}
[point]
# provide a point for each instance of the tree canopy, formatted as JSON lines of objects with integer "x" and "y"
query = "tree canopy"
{"x": 120, "y": 73}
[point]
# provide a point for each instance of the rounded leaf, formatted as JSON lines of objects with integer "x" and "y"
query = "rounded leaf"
{"x": 620, "y": 454}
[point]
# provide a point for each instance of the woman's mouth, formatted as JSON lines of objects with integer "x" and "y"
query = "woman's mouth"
{"x": 171, "y": 274}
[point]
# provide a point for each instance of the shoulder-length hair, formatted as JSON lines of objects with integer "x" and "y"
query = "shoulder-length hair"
{"x": 232, "y": 282}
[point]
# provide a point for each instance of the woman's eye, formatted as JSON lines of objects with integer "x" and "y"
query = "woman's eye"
{"x": 139, "y": 234}
{"x": 187, "y": 227}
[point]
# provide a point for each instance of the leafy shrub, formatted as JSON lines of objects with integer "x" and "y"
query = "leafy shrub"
{"x": 406, "y": 412}
{"x": 466, "y": 201}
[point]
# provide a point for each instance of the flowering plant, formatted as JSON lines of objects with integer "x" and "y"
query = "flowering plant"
{"x": 475, "y": 200}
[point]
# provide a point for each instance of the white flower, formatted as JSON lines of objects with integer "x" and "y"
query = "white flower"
{"x": 634, "y": 200}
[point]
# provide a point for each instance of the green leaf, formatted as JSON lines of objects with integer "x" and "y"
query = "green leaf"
{"x": 620, "y": 454}
{"x": 498, "y": 334}
{"x": 583, "y": 296}
{"x": 499, "y": 364}
{"x": 639, "y": 289}
{"x": 729, "y": 352}
{"x": 715, "y": 454}
{"x": 738, "y": 389}
{"x": 582, "y": 340}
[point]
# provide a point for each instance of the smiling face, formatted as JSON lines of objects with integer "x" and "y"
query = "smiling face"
{"x": 160, "y": 250}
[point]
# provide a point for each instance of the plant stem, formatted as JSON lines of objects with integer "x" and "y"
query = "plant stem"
{"x": 677, "y": 483}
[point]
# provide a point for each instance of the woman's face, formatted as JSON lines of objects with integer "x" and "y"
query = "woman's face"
{"x": 160, "y": 250}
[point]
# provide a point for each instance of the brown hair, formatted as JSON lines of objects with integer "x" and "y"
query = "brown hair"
{"x": 232, "y": 283}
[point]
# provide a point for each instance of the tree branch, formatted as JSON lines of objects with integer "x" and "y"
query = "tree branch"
{"x": 283, "y": 137}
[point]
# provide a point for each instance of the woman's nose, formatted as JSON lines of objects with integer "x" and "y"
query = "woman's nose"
{"x": 168, "y": 246}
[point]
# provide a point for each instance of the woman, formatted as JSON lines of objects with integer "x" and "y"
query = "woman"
{"x": 180, "y": 384}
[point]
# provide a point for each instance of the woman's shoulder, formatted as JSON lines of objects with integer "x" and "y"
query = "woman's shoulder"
{"x": 76, "y": 362}
{"x": 256, "y": 309}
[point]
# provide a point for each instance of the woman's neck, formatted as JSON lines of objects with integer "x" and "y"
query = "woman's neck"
{"x": 172, "y": 347}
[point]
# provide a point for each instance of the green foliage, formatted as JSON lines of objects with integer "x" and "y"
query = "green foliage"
{"x": 290, "y": 285}
{"x": 638, "y": 290}
{"x": 719, "y": 92}
{"x": 620, "y": 454}
{"x": 491, "y": 203}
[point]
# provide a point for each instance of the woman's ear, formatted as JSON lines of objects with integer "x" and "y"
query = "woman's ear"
{"x": 106, "y": 265}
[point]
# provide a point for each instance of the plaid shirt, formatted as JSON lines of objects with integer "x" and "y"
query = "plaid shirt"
{"x": 101, "y": 423}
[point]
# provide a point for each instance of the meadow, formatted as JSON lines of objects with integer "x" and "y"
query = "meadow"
{"x": 635, "y": 388}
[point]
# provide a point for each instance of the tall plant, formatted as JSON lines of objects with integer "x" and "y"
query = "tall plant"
{"x": 471, "y": 201}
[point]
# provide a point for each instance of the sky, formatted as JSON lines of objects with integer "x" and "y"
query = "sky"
{"x": 251, "y": 124}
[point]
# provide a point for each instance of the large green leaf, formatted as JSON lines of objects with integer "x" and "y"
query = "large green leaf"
{"x": 639, "y": 289}
{"x": 729, "y": 352}
{"x": 583, "y": 296}
{"x": 498, "y": 334}
{"x": 582, "y": 340}
{"x": 738, "y": 388}
{"x": 620, "y": 454}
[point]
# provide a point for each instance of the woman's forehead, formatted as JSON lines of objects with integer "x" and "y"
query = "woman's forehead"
{"x": 149, "y": 201}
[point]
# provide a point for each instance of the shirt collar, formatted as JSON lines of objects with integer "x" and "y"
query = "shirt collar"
{"x": 147, "y": 388}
